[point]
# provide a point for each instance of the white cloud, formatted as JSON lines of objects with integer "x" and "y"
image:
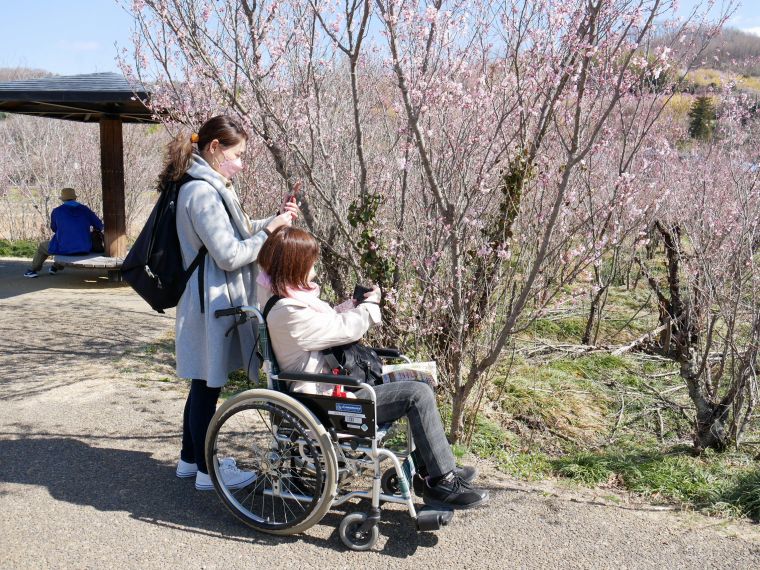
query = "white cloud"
{"x": 754, "y": 31}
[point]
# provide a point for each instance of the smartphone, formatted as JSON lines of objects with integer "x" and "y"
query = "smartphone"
{"x": 295, "y": 195}
{"x": 360, "y": 291}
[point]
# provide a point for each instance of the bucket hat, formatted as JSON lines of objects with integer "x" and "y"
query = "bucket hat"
{"x": 68, "y": 194}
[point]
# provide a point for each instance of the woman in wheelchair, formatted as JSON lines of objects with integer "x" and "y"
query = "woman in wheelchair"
{"x": 301, "y": 325}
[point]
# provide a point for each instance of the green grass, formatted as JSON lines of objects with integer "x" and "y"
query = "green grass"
{"x": 18, "y": 248}
{"x": 743, "y": 494}
{"x": 558, "y": 329}
{"x": 558, "y": 416}
{"x": 622, "y": 319}
{"x": 238, "y": 381}
{"x": 490, "y": 441}
{"x": 573, "y": 396}
{"x": 727, "y": 483}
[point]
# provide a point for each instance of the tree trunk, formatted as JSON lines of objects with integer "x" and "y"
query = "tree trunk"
{"x": 710, "y": 428}
{"x": 711, "y": 417}
{"x": 593, "y": 316}
{"x": 457, "y": 416}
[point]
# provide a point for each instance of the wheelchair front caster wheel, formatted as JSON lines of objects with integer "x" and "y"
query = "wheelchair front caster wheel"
{"x": 354, "y": 533}
{"x": 389, "y": 482}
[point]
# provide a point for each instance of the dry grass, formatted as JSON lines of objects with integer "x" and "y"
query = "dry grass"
{"x": 678, "y": 106}
{"x": 704, "y": 78}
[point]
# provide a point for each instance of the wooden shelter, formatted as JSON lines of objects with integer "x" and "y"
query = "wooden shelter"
{"x": 104, "y": 98}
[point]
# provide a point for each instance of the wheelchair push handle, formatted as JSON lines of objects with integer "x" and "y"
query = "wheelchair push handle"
{"x": 227, "y": 312}
{"x": 241, "y": 310}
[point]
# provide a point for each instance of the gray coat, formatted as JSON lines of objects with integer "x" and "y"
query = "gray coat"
{"x": 203, "y": 350}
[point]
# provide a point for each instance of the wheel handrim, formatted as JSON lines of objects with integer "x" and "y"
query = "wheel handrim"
{"x": 272, "y": 442}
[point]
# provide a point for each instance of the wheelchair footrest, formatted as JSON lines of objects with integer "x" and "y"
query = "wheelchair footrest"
{"x": 433, "y": 519}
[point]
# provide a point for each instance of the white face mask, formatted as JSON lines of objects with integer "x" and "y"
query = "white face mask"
{"x": 230, "y": 167}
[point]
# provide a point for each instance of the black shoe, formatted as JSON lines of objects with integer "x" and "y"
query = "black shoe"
{"x": 467, "y": 474}
{"x": 453, "y": 492}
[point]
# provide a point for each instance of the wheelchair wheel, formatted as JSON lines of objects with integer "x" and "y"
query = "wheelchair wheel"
{"x": 389, "y": 482}
{"x": 276, "y": 438}
{"x": 353, "y": 536}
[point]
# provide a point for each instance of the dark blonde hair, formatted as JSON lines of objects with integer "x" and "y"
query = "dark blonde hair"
{"x": 287, "y": 256}
{"x": 180, "y": 150}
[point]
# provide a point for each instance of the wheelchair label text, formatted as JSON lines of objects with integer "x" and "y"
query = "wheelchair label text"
{"x": 352, "y": 408}
{"x": 349, "y": 417}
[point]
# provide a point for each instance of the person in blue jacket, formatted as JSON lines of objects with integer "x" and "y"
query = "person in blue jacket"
{"x": 71, "y": 222}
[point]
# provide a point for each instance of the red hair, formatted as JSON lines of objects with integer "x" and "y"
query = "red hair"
{"x": 287, "y": 257}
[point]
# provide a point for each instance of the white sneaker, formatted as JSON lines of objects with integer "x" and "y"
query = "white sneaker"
{"x": 185, "y": 469}
{"x": 233, "y": 477}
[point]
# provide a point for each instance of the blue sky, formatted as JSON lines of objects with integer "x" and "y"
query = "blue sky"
{"x": 63, "y": 36}
{"x": 78, "y": 36}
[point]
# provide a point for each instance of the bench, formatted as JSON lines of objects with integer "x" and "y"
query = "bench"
{"x": 92, "y": 261}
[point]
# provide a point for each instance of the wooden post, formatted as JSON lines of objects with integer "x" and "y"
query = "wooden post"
{"x": 112, "y": 174}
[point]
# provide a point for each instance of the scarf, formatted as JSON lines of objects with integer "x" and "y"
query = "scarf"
{"x": 226, "y": 190}
{"x": 309, "y": 297}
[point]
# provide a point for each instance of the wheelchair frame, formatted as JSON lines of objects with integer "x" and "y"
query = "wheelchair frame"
{"x": 305, "y": 461}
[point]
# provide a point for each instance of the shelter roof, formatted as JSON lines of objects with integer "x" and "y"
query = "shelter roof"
{"x": 85, "y": 98}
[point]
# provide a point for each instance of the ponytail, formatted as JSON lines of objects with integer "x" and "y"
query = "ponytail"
{"x": 179, "y": 151}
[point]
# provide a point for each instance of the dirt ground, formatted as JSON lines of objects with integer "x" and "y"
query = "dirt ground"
{"x": 89, "y": 435}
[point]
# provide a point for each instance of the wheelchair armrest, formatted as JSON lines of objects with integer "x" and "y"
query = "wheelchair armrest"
{"x": 387, "y": 352}
{"x": 323, "y": 378}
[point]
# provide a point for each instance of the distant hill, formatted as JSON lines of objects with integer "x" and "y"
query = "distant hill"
{"x": 734, "y": 50}
{"x": 19, "y": 73}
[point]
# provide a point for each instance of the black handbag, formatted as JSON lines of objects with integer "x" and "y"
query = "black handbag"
{"x": 355, "y": 360}
{"x": 98, "y": 241}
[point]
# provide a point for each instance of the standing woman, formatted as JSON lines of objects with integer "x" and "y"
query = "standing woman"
{"x": 209, "y": 214}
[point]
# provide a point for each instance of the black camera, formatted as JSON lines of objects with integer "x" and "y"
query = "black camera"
{"x": 360, "y": 291}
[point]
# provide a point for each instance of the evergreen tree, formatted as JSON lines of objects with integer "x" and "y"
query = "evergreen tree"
{"x": 702, "y": 118}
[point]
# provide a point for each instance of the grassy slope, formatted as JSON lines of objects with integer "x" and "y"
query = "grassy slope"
{"x": 597, "y": 419}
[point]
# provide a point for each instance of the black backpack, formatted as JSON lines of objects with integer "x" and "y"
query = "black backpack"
{"x": 153, "y": 267}
{"x": 352, "y": 359}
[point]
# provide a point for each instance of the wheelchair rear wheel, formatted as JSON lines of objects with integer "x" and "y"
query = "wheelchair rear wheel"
{"x": 276, "y": 438}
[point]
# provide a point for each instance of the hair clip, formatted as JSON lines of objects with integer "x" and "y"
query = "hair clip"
{"x": 194, "y": 138}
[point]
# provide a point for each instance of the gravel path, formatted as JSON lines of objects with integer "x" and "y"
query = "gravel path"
{"x": 89, "y": 435}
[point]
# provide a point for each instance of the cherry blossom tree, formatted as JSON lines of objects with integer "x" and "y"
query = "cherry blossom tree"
{"x": 708, "y": 298}
{"x": 472, "y": 157}
{"x": 521, "y": 130}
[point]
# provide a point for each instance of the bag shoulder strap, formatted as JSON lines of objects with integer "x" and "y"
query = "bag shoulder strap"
{"x": 271, "y": 302}
{"x": 199, "y": 261}
{"x": 331, "y": 360}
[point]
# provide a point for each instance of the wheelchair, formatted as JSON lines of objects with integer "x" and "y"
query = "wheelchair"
{"x": 306, "y": 450}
